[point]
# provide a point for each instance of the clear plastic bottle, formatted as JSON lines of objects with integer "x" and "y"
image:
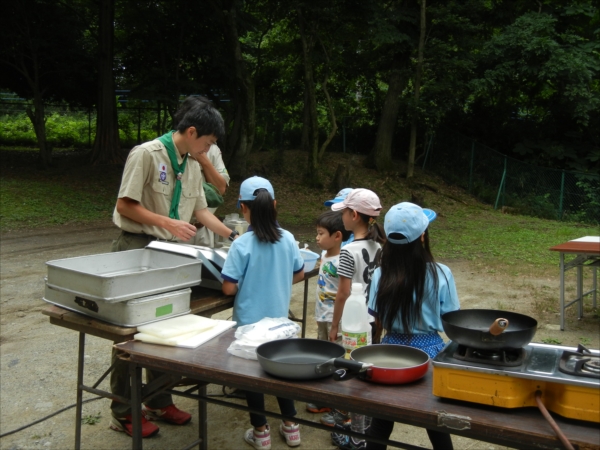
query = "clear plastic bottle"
{"x": 356, "y": 329}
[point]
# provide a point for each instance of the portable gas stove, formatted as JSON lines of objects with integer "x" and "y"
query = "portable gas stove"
{"x": 568, "y": 378}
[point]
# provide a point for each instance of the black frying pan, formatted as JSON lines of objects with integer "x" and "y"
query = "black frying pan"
{"x": 303, "y": 359}
{"x": 471, "y": 327}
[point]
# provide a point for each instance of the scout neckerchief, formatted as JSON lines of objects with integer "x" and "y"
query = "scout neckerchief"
{"x": 167, "y": 141}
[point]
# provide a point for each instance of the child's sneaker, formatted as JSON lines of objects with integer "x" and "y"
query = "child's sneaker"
{"x": 291, "y": 433}
{"x": 313, "y": 408}
{"x": 170, "y": 414}
{"x": 259, "y": 439}
{"x": 124, "y": 424}
{"x": 335, "y": 416}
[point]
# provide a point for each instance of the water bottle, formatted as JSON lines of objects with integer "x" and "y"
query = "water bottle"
{"x": 356, "y": 329}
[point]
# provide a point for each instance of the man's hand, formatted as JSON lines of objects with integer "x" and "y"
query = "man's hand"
{"x": 181, "y": 229}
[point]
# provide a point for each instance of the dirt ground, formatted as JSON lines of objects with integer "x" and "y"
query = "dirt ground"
{"x": 38, "y": 360}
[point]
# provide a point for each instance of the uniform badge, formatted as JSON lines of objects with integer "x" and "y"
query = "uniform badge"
{"x": 162, "y": 173}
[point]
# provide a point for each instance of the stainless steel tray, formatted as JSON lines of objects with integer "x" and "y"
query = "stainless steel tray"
{"x": 120, "y": 276}
{"x": 213, "y": 260}
{"x": 130, "y": 313}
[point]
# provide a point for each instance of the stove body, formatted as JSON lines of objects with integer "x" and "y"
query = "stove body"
{"x": 510, "y": 380}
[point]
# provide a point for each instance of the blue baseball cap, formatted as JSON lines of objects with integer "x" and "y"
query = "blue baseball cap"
{"x": 250, "y": 186}
{"x": 407, "y": 219}
{"x": 339, "y": 197}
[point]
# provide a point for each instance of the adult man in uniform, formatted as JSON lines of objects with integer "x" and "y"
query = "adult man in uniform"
{"x": 213, "y": 170}
{"x": 160, "y": 190}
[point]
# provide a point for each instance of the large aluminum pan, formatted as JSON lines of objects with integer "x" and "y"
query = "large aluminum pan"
{"x": 213, "y": 260}
{"x": 120, "y": 276}
{"x": 130, "y": 313}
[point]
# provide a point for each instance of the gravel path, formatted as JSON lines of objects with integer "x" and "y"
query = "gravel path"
{"x": 38, "y": 360}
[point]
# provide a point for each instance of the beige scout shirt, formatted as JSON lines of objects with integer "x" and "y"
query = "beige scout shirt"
{"x": 149, "y": 179}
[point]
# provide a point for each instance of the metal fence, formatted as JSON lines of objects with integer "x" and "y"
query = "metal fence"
{"x": 513, "y": 185}
{"x": 72, "y": 127}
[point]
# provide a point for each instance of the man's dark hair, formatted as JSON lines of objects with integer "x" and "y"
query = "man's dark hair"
{"x": 332, "y": 222}
{"x": 199, "y": 112}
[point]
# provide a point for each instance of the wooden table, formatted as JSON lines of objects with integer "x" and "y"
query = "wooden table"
{"x": 413, "y": 403}
{"x": 586, "y": 252}
{"x": 204, "y": 302}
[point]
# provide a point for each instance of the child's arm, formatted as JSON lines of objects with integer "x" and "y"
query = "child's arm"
{"x": 229, "y": 288}
{"x": 341, "y": 296}
{"x": 298, "y": 277}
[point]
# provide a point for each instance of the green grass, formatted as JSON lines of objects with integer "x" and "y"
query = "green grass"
{"x": 74, "y": 192}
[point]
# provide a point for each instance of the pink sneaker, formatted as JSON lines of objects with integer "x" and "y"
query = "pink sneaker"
{"x": 260, "y": 440}
{"x": 291, "y": 433}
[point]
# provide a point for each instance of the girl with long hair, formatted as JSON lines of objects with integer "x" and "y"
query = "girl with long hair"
{"x": 409, "y": 293}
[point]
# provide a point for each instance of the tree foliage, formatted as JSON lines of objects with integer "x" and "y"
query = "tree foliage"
{"x": 521, "y": 77}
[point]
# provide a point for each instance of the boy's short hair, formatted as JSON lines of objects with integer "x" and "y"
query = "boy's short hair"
{"x": 332, "y": 222}
{"x": 201, "y": 115}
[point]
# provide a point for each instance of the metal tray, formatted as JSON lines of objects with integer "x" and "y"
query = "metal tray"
{"x": 213, "y": 260}
{"x": 120, "y": 276}
{"x": 130, "y": 313}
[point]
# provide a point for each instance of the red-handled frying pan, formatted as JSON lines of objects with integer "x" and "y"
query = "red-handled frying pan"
{"x": 388, "y": 364}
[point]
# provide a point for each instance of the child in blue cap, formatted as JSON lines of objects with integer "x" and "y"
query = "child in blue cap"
{"x": 261, "y": 266}
{"x": 409, "y": 293}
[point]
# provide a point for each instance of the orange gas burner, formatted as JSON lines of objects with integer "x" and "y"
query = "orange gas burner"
{"x": 569, "y": 378}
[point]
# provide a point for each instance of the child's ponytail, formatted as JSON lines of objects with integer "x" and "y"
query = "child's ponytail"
{"x": 376, "y": 232}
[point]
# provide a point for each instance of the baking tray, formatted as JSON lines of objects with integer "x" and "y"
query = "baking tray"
{"x": 129, "y": 313}
{"x": 120, "y": 276}
{"x": 213, "y": 260}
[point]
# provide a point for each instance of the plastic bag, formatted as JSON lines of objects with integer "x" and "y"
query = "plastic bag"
{"x": 249, "y": 337}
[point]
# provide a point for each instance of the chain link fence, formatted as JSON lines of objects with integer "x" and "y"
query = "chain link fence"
{"x": 513, "y": 185}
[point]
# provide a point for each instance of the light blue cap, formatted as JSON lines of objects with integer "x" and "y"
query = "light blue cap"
{"x": 250, "y": 186}
{"x": 339, "y": 197}
{"x": 407, "y": 219}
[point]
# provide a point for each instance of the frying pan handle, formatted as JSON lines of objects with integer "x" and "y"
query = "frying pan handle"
{"x": 343, "y": 375}
{"x": 352, "y": 366}
{"x": 498, "y": 326}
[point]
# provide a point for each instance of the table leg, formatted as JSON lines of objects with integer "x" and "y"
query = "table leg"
{"x": 579, "y": 291}
{"x": 79, "y": 404}
{"x": 136, "y": 405}
{"x": 304, "y": 307}
{"x": 202, "y": 418}
{"x": 562, "y": 291}
{"x": 594, "y": 285}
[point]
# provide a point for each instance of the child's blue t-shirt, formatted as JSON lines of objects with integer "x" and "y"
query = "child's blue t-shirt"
{"x": 432, "y": 307}
{"x": 263, "y": 272}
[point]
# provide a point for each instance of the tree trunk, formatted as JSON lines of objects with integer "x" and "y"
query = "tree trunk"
{"x": 304, "y": 144}
{"x": 308, "y": 43}
{"x": 38, "y": 119}
{"x": 240, "y": 144}
{"x": 107, "y": 146}
{"x": 381, "y": 155}
{"x": 417, "y": 85}
{"x": 332, "y": 118}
